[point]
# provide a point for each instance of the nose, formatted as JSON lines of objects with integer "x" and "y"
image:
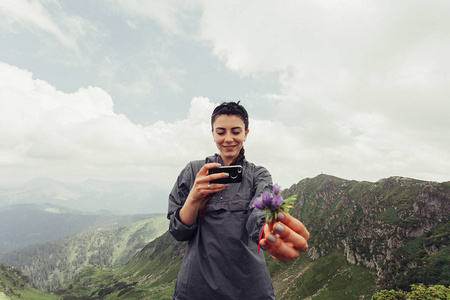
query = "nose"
{"x": 228, "y": 137}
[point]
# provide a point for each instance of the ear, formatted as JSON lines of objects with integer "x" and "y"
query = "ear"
{"x": 246, "y": 132}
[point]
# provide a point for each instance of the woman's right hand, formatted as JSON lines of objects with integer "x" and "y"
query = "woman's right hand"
{"x": 201, "y": 190}
{"x": 202, "y": 187}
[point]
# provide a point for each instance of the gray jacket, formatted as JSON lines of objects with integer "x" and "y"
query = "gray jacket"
{"x": 222, "y": 259}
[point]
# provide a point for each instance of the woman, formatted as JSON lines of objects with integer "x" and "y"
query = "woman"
{"x": 222, "y": 260}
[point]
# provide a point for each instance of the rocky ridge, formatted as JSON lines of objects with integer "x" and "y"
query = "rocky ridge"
{"x": 392, "y": 225}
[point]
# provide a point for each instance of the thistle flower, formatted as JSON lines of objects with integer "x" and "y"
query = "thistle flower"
{"x": 277, "y": 201}
{"x": 258, "y": 203}
{"x": 276, "y": 189}
{"x": 267, "y": 199}
{"x": 273, "y": 203}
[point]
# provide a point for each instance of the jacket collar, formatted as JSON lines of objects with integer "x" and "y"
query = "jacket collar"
{"x": 217, "y": 159}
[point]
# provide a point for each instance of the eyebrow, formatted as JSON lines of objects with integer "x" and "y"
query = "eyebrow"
{"x": 233, "y": 128}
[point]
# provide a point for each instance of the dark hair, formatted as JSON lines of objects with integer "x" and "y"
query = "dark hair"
{"x": 230, "y": 108}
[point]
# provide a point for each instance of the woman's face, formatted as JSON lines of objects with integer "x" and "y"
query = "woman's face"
{"x": 229, "y": 134}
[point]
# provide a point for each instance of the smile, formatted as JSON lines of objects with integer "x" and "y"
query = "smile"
{"x": 229, "y": 147}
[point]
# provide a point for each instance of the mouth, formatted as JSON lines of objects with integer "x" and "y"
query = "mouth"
{"x": 229, "y": 147}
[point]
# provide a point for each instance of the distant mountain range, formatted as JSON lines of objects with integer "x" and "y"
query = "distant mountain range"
{"x": 91, "y": 196}
{"x": 27, "y": 224}
{"x": 364, "y": 237}
{"x": 50, "y": 264}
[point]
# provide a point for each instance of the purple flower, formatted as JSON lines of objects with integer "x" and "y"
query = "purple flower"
{"x": 276, "y": 189}
{"x": 273, "y": 203}
{"x": 258, "y": 203}
{"x": 277, "y": 201}
{"x": 267, "y": 198}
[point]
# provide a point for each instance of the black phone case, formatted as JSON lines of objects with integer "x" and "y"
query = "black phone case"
{"x": 234, "y": 171}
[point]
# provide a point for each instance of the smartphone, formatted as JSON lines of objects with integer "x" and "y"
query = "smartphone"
{"x": 234, "y": 171}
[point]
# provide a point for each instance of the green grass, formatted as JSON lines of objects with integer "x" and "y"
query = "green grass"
{"x": 152, "y": 272}
{"x": 15, "y": 285}
{"x": 29, "y": 294}
{"x": 389, "y": 216}
{"x": 352, "y": 283}
{"x": 330, "y": 277}
{"x": 414, "y": 245}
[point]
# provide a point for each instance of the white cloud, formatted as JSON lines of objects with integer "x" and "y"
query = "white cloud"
{"x": 34, "y": 16}
{"x": 363, "y": 89}
{"x": 46, "y": 132}
{"x": 365, "y": 84}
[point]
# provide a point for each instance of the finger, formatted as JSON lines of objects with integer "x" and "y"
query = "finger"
{"x": 278, "y": 249}
{"x": 211, "y": 166}
{"x": 293, "y": 224}
{"x": 275, "y": 255}
{"x": 215, "y": 187}
{"x": 215, "y": 176}
{"x": 204, "y": 171}
{"x": 289, "y": 236}
{"x": 206, "y": 167}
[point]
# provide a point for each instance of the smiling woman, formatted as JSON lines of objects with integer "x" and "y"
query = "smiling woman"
{"x": 229, "y": 131}
{"x": 219, "y": 221}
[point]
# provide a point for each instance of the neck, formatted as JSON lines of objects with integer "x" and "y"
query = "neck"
{"x": 235, "y": 160}
{"x": 225, "y": 161}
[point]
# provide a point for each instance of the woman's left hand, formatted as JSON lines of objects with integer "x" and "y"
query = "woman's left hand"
{"x": 285, "y": 239}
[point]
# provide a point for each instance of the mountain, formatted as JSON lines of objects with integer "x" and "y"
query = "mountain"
{"x": 120, "y": 197}
{"x": 27, "y": 224}
{"x": 151, "y": 273}
{"x": 50, "y": 264}
{"x": 364, "y": 237}
{"x": 396, "y": 226}
{"x": 15, "y": 285}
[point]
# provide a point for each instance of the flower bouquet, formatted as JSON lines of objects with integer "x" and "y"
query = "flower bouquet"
{"x": 273, "y": 203}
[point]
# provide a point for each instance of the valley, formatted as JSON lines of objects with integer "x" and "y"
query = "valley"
{"x": 365, "y": 237}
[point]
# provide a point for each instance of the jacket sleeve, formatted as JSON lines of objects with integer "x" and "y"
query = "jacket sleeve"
{"x": 262, "y": 183}
{"x": 177, "y": 199}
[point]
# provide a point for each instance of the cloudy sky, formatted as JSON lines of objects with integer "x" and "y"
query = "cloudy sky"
{"x": 123, "y": 90}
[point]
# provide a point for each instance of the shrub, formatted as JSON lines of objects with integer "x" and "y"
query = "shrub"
{"x": 418, "y": 292}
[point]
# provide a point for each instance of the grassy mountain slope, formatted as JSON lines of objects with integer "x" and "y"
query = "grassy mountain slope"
{"x": 396, "y": 226}
{"x": 364, "y": 236}
{"x": 53, "y": 263}
{"x": 150, "y": 274}
{"x": 15, "y": 285}
{"x": 330, "y": 277}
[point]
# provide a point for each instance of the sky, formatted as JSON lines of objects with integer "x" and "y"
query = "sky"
{"x": 124, "y": 89}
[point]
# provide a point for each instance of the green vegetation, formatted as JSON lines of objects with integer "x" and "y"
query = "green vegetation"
{"x": 339, "y": 215}
{"x": 415, "y": 265}
{"x": 15, "y": 285}
{"x": 394, "y": 233}
{"x": 330, "y": 277}
{"x": 151, "y": 272}
{"x": 389, "y": 216}
{"x": 418, "y": 292}
{"x": 56, "y": 262}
